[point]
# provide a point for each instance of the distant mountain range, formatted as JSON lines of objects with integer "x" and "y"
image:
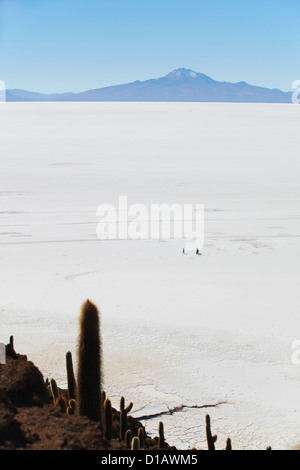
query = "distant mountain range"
{"x": 180, "y": 85}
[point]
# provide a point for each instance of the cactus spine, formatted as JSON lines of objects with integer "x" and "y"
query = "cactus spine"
{"x": 89, "y": 363}
{"x": 135, "y": 445}
{"x": 72, "y": 404}
{"x": 70, "y": 376}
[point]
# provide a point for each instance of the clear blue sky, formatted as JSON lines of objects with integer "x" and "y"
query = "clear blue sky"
{"x": 64, "y": 45}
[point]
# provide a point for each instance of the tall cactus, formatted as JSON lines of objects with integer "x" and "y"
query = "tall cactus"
{"x": 123, "y": 424}
{"x": 108, "y": 419}
{"x": 70, "y": 376}
{"x": 228, "y": 444}
{"x": 123, "y": 417}
{"x": 103, "y": 398}
{"x": 89, "y": 363}
{"x": 210, "y": 439}
{"x": 122, "y": 405}
{"x": 141, "y": 436}
{"x": 128, "y": 439}
{"x": 161, "y": 436}
{"x": 54, "y": 390}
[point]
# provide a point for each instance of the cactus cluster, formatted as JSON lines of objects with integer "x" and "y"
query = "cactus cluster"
{"x": 135, "y": 442}
{"x": 87, "y": 397}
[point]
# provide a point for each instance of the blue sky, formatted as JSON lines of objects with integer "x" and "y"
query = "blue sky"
{"x": 64, "y": 45}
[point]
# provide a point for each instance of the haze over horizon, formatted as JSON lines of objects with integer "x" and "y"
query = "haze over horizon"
{"x": 57, "y": 47}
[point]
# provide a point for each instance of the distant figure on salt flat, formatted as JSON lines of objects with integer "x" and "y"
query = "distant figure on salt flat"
{"x": 183, "y": 251}
{"x": 198, "y": 252}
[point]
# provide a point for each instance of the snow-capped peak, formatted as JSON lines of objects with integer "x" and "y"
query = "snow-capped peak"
{"x": 182, "y": 72}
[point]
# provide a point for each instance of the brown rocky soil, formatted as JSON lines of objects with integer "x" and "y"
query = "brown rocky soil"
{"x": 29, "y": 420}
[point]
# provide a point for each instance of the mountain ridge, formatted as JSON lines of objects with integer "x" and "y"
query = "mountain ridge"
{"x": 179, "y": 85}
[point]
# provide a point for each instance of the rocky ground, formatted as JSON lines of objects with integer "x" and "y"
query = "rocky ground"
{"x": 29, "y": 419}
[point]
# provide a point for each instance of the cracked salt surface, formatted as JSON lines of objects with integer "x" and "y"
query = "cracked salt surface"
{"x": 177, "y": 330}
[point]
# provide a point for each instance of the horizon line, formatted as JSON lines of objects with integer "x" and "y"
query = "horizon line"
{"x": 140, "y": 81}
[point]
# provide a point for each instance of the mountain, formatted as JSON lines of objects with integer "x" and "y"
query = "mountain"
{"x": 180, "y": 85}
